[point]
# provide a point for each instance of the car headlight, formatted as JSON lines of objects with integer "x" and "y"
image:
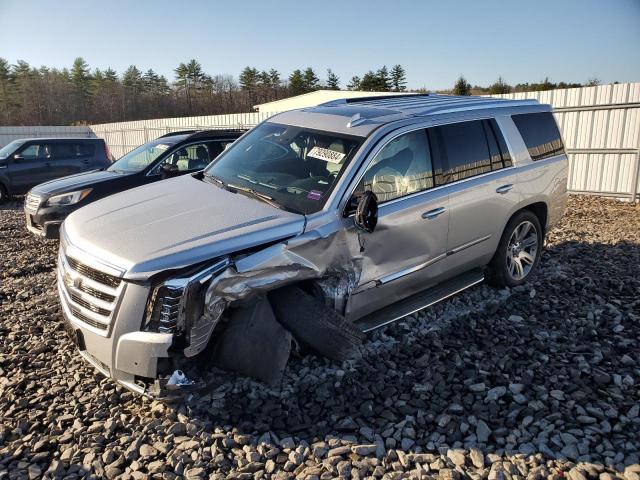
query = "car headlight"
{"x": 68, "y": 198}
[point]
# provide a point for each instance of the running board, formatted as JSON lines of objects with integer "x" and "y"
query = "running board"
{"x": 420, "y": 300}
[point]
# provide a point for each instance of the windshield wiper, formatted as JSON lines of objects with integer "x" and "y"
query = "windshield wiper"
{"x": 217, "y": 180}
{"x": 263, "y": 197}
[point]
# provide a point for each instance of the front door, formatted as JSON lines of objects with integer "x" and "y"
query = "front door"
{"x": 30, "y": 166}
{"x": 405, "y": 252}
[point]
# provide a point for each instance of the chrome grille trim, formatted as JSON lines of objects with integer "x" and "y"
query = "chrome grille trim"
{"x": 89, "y": 296}
{"x": 32, "y": 202}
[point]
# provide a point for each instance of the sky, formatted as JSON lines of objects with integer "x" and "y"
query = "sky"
{"x": 435, "y": 41}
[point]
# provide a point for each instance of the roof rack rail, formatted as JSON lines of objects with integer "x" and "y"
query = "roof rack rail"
{"x": 181, "y": 132}
{"x": 385, "y": 97}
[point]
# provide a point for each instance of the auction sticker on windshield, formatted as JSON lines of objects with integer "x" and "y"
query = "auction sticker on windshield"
{"x": 326, "y": 155}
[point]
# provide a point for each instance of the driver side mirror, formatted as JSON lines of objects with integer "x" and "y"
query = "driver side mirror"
{"x": 17, "y": 157}
{"x": 366, "y": 215}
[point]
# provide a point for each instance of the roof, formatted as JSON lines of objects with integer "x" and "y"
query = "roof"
{"x": 315, "y": 98}
{"x": 359, "y": 116}
{"x": 51, "y": 139}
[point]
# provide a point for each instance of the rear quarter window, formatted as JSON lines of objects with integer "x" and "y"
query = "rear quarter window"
{"x": 540, "y": 134}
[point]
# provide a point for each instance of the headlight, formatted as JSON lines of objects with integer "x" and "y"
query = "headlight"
{"x": 68, "y": 198}
{"x": 174, "y": 304}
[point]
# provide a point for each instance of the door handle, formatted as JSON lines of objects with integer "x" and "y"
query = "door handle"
{"x": 433, "y": 213}
{"x": 47, "y": 164}
{"x": 504, "y": 189}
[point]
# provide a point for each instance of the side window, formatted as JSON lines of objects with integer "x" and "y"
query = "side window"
{"x": 502, "y": 144}
{"x": 500, "y": 157}
{"x": 402, "y": 167}
{"x": 63, "y": 150}
{"x": 85, "y": 149}
{"x": 466, "y": 150}
{"x": 540, "y": 134}
{"x": 192, "y": 157}
{"x": 35, "y": 151}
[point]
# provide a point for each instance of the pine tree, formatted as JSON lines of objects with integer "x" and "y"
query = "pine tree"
{"x": 370, "y": 82}
{"x": 354, "y": 83}
{"x": 249, "y": 78}
{"x": 462, "y": 87}
{"x": 297, "y": 83}
{"x": 398, "y": 78}
{"x": 333, "y": 82}
{"x": 383, "y": 80}
{"x": 311, "y": 80}
{"x": 499, "y": 87}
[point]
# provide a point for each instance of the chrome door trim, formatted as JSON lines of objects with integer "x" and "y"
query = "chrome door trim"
{"x": 464, "y": 246}
{"x": 406, "y": 271}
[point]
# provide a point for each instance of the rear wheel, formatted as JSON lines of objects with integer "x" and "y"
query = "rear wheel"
{"x": 518, "y": 253}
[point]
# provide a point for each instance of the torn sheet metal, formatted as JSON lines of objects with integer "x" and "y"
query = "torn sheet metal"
{"x": 335, "y": 260}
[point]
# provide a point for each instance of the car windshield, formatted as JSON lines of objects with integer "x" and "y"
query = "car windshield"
{"x": 143, "y": 156}
{"x": 290, "y": 167}
{"x": 10, "y": 148}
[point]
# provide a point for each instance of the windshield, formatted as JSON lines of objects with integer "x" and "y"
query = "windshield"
{"x": 10, "y": 148}
{"x": 292, "y": 167}
{"x": 143, "y": 156}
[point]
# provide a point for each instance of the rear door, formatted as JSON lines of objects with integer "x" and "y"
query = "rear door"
{"x": 405, "y": 253}
{"x": 482, "y": 187}
{"x": 70, "y": 157}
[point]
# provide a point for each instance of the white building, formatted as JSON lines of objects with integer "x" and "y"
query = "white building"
{"x": 312, "y": 99}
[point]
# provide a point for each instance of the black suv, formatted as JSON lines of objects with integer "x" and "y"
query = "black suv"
{"x": 47, "y": 205}
{"x": 30, "y": 161}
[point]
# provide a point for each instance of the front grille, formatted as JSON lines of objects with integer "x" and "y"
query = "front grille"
{"x": 90, "y": 295}
{"x": 32, "y": 202}
{"x": 81, "y": 316}
{"x": 93, "y": 274}
{"x": 88, "y": 305}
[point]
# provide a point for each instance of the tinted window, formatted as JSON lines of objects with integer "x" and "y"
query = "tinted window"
{"x": 465, "y": 149}
{"x": 540, "y": 134}
{"x": 402, "y": 167}
{"x": 500, "y": 157}
{"x": 191, "y": 157}
{"x": 35, "y": 151}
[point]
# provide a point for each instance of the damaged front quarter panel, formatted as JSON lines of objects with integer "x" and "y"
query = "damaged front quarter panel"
{"x": 335, "y": 261}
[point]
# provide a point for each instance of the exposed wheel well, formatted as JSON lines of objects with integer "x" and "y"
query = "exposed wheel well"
{"x": 540, "y": 210}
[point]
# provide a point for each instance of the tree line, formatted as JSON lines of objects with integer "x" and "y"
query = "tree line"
{"x": 500, "y": 86}
{"x": 79, "y": 95}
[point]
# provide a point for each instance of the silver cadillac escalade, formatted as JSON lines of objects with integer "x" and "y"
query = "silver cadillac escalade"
{"x": 316, "y": 226}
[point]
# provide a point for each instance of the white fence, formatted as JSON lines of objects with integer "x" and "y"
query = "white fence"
{"x": 124, "y": 136}
{"x": 600, "y": 126}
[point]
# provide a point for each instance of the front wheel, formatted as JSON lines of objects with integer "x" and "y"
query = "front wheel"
{"x": 518, "y": 253}
{"x": 4, "y": 195}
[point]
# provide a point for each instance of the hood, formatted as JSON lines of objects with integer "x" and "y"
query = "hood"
{"x": 75, "y": 182}
{"x": 173, "y": 224}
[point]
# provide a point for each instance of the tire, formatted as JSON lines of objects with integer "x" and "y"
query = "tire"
{"x": 314, "y": 324}
{"x": 4, "y": 195}
{"x": 518, "y": 254}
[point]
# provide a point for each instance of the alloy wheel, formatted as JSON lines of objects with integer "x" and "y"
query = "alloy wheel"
{"x": 522, "y": 250}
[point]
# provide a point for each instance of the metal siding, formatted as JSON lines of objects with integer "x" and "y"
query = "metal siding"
{"x": 600, "y": 126}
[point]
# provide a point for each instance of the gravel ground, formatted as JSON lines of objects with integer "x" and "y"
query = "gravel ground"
{"x": 541, "y": 381}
